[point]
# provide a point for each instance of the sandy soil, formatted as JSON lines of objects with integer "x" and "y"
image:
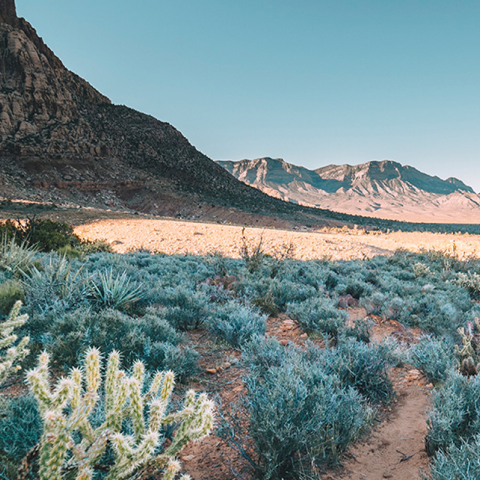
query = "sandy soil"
{"x": 181, "y": 237}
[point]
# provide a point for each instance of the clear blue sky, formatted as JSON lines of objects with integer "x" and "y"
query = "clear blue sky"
{"x": 312, "y": 81}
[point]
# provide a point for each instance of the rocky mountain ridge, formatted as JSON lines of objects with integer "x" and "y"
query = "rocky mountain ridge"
{"x": 63, "y": 141}
{"x": 384, "y": 189}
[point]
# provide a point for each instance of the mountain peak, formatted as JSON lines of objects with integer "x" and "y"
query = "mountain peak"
{"x": 379, "y": 188}
{"x": 8, "y": 12}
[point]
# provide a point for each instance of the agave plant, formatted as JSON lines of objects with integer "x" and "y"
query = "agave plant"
{"x": 115, "y": 291}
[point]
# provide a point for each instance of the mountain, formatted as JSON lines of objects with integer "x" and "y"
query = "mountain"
{"x": 62, "y": 141}
{"x": 383, "y": 189}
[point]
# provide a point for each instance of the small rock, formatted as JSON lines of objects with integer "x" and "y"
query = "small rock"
{"x": 304, "y": 335}
{"x": 186, "y": 458}
{"x": 227, "y": 365}
{"x": 387, "y": 475}
{"x": 284, "y": 342}
{"x": 212, "y": 371}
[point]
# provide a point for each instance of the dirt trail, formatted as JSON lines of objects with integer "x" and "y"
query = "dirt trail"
{"x": 395, "y": 449}
{"x": 387, "y": 451}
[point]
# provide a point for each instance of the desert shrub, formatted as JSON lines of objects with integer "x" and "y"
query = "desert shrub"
{"x": 455, "y": 414}
{"x": 16, "y": 258}
{"x": 433, "y": 357}
{"x": 149, "y": 338}
{"x": 299, "y": 416}
{"x": 395, "y": 309}
{"x": 20, "y": 426}
{"x": 285, "y": 292}
{"x": 264, "y": 352}
{"x": 355, "y": 287}
{"x": 165, "y": 356}
{"x": 363, "y": 367}
{"x": 266, "y": 304}
{"x": 318, "y": 314}
{"x": 311, "y": 273}
{"x": 88, "y": 247}
{"x": 274, "y": 294}
{"x": 251, "y": 252}
{"x": 460, "y": 462}
{"x": 10, "y": 292}
{"x": 236, "y": 324}
{"x": 114, "y": 291}
{"x": 55, "y": 284}
{"x": 374, "y": 305}
{"x": 185, "y": 308}
{"x": 421, "y": 270}
{"x": 44, "y": 234}
{"x": 361, "y": 330}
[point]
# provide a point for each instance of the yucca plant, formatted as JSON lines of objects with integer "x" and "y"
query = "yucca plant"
{"x": 115, "y": 291}
{"x": 10, "y": 353}
{"x": 15, "y": 258}
{"x": 70, "y": 443}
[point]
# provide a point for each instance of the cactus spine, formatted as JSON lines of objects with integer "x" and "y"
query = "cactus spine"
{"x": 124, "y": 401}
{"x": 13, "y": 353}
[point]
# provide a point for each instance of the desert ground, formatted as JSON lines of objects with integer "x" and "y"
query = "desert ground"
{"x": 175, "y": 237}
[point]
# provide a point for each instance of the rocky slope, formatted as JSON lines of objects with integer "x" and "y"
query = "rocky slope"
{"x": 63, "y": 141}
{"x": 379, "y": 189}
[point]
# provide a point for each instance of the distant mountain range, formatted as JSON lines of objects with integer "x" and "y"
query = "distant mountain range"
{"x": 383, "y": 189}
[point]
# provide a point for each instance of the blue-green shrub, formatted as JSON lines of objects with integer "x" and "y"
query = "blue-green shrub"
{"x": 318, "y": 314}
{"x": 455, "y": 414}
{"x": 236, "y": 324}
{"x": 434, "y": 358}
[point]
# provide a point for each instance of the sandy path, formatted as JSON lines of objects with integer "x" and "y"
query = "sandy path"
{"x": 181, "y": 237}
{"x": 379, "y": 456}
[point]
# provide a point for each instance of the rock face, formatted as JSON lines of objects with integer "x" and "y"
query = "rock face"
{"x": 379, "y": 189}
{"x": 61, "y": 140}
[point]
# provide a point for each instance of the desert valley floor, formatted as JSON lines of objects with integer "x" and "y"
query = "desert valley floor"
{"x": 179, "y": 237}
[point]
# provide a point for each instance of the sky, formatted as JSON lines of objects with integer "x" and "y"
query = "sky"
{"x": 314, "y": 82}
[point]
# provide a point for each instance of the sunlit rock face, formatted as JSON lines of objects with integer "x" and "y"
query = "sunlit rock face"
{"x": 383, "y": 189}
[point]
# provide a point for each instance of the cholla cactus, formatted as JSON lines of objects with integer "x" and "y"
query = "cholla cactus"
{"x": 420, "y": 270}
{"x": 467, "y": 353}
{"x": 13, "y": 353}
{"x": 470, "y": 281}
{"x": 67, "y": 407}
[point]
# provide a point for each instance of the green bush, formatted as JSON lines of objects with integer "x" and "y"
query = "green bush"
{"x": 20, "y": 426}
{"x": 10, "y": 292}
